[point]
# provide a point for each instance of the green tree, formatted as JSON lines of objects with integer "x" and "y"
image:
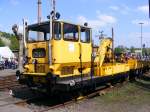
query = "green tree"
{"x": 14, "y": 43}
{"x": 132, "y": 49}
{"x": 120, "y": 49}
{"x": 1, "y": 43}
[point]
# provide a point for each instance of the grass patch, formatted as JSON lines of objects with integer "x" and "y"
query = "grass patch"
{"x": 135, "y": 93}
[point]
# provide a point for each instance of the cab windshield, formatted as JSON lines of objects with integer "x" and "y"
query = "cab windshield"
{"x": 41, "y": 32}
{"x": 71, "y": 32}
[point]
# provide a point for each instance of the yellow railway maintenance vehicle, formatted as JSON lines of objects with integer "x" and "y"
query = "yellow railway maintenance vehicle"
{"x": 63, "y": 58}
{"x": 65, "y": 61}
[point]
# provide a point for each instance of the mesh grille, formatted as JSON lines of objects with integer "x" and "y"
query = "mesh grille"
{"x": 40, "y": 68}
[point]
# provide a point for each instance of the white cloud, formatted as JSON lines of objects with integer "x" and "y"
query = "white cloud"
{"x": 136, "y": 40}
{"x": 102, "y": 20}
{"x": 138, "y": 35}
{"x": 144, "y": 8}
{"x": 14, "y": 2}
{"x": 115, "y": 8}
{"x": 146, "y": 22}
{"x": 123, "y": 9}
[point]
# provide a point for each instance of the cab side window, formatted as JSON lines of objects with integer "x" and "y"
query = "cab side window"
{"x": 57, "y": 30}
{"x": 85, "y": 35}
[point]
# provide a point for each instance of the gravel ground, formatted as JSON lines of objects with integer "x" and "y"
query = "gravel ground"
{"x": 7, "y": 72}
{"x": 131, "y": 97}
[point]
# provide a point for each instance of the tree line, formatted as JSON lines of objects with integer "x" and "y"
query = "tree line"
{"x": 14, "y": 44}
{"x": 122, "y": 49}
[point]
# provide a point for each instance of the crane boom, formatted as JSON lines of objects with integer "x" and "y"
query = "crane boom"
{"x": 105, "y": 44}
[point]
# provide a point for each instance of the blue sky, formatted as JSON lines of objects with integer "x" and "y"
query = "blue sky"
{"x": 123, "y": 15}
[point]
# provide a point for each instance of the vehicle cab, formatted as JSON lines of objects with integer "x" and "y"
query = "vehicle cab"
{"x": 60, "y": 53}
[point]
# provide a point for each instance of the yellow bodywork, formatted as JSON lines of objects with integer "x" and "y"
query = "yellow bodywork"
{"x": 135, "y": 64}
{"x": 65, "y": 57}
{"x": 43, "y": 66}
{"x": 111, "y": 70}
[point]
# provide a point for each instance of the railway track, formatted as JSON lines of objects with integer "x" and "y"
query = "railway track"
{"x": 8, "y": 82}
{"x": 62, "y": 102}
{"x": 99, "y": 92}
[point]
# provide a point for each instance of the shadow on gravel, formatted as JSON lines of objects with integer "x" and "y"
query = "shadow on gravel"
{"x": 143, "y": 82}
{"x": 41, "y": 99}
{"x": 143, "y": 85}
{"x": 50, "y": 100}
{"x": 145, "y": 78}
{"x": 23, "y": 93}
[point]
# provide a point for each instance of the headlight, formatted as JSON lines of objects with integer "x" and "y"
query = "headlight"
{"x": 34, "y": 61}
{"x": 72, "y": 83}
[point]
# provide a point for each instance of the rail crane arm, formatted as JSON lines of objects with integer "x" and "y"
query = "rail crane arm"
{"x": 104, "y": 49}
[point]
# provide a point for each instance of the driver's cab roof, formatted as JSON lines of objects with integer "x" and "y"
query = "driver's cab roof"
{"x": 44, "y": 26}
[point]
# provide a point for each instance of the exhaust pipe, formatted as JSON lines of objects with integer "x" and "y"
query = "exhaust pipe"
{"x": 19, "y": 37}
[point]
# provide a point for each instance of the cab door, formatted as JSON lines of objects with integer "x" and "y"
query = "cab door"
{"x": 38, "y": 57}
{"x": 85, "y": 47}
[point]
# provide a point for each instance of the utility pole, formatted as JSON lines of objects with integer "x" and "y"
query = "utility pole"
{"x": 101, "y": 34}
{"x": 51, "y": 17}
{"x": 39, "y": 3}
{"x": 113, "y": 55}
{"x": 141, "y": 36}
{"x": 53, "y": 5}
{"x": 149, "y": 7}
{"x": 39, "y": 11}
